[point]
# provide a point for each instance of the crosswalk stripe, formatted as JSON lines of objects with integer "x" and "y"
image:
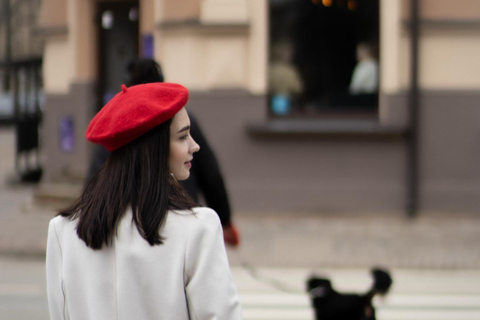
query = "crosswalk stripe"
{"x": 427, "y": 314}
{"x": 432, "y": 300}
{"x": 20, "y": 290}
{"x": 275, "y": 314}
{"x": 274, "y": 299}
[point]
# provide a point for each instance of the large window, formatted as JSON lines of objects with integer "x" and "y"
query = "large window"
{"x": 323, "y": 57}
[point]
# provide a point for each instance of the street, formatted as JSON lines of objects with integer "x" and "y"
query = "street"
{"x": 434, "y": 259}
{"x": 278, "y": 293}
{"x": 22, "y": 289}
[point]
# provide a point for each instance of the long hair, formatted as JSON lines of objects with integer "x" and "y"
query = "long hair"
{"x": 135, "y": 175}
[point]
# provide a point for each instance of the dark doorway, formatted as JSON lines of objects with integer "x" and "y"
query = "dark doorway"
{"x": 118, "y": 25}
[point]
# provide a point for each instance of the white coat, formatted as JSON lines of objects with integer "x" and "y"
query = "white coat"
{"x": 187, "y": 277}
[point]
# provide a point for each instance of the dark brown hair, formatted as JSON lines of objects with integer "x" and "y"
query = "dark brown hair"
{"x": 134, "y": 175}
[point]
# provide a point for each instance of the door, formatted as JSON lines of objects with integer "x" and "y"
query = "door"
{"x": 118, "y": 25}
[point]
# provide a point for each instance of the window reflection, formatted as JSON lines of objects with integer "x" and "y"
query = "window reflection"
{"x": 285, "y": 84}
{"x": 365, "y": 74}
{"x": 323, "y": 56}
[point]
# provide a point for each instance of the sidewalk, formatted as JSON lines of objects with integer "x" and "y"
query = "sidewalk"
{"x": 22, "y": 231}
{"x": 349, "y": 241}
{"x": 284, "y": 240}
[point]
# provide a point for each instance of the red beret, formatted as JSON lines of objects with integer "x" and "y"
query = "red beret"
{"x": 134, "y": 111}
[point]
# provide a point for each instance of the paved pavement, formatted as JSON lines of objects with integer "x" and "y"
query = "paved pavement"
{"x": 435, "y": 259}
{"x": 22, "y": 226}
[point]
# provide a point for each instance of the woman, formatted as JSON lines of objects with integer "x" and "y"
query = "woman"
{"x": 205, "y": 178}
{"x": 133, "y": 246}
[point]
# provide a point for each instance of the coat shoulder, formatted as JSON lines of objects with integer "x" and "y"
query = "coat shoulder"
{"x": 207, "y": 214}
{"x": 199, "y": 219}
{"x": 60, "y": 224}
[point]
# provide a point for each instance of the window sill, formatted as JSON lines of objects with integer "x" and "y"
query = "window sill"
{"x": 198, "y": 26}
{"x": 347, "y": 129}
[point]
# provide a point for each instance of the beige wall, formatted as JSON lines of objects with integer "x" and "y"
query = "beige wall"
{"x": 175, "y": 51}
{"x": 390, "y": 46}
{"x": 181, "y": 9}
{"x": 448, "y": 49}
{"x": 448, "y": 53}
{"x": 257, "y": 55}
{"x": 216, "y": 53}
{"x": 224, "y": 11}
{"x": 57, "y": 66}
{"x": 147, "y": 14}
{"x": 57, "y": 55}
{"x": 444, "y": 9}
{"x": 69, "y": 57}
{"x": 82, "y": 38}
{"x": 203, "y": 61}
{"x": 53, "y": 14}
{"x": 449, "y": 59}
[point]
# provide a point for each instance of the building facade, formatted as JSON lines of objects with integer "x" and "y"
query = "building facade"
{"x": 19, "y": 50}
{"x": 324, "y": 156}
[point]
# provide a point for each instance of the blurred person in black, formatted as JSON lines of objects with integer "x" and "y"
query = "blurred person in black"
{"x": 205, "y": 178}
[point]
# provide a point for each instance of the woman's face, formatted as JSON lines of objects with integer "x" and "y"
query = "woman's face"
{"x": 182, "y": 146}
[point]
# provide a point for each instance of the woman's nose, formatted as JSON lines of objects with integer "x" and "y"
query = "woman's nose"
{"x": 194, "y": 147}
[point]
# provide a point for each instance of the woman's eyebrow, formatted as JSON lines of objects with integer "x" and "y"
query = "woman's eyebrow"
{"x": 184, "y": 129}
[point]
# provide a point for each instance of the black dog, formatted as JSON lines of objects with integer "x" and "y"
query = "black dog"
{"x": 332, "y": 305}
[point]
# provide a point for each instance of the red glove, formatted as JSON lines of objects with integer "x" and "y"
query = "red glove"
{"x": 231, "y": 235}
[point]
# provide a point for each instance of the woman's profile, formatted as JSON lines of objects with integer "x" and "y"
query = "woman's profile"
{"x": 134, "y": 245}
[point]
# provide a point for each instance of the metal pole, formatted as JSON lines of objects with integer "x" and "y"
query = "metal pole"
{"x": 413, "y": 154}
{"x": 8, "y": 43}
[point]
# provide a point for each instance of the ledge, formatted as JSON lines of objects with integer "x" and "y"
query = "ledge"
{"x": 348, "y": 129}
{"x": 20, "y": 62}
{"x": 44, "y": 32}
{"x": 450, "y": 23}
{"x": 196, "y": 25}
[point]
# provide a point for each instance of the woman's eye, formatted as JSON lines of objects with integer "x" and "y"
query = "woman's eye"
{"x": 184, "y": 137}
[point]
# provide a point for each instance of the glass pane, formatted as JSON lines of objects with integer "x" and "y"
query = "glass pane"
{"x": 323, "y": 56}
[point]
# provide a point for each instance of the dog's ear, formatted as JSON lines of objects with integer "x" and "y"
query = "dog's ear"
{"x": 318, "y": 287}
{"x": 313, "y": 282}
